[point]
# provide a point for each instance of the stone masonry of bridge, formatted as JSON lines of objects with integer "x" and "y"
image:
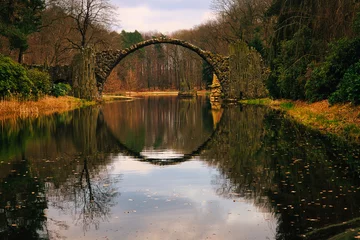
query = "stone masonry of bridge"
{"x": 107, "y": 60}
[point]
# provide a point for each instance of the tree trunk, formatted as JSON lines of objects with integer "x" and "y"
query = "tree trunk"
{"x": 21, "y": 54}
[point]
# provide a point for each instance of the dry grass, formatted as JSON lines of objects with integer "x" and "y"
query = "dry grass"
{"x": 340, "y": 119}
{"x": 44, "y": 106}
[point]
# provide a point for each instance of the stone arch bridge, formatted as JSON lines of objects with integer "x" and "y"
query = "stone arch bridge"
{"x": 241, "y": 75}
{"x": 106, "y": 61}
{"x": 90, "y": 70}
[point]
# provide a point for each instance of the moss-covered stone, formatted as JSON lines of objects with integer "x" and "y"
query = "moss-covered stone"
{"x": 83, "y": 75}
{"x": 247, "y": 73}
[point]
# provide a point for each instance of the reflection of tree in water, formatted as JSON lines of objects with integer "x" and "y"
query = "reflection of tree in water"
{"x": 236, "y": 150}
{"x": 22, "y": 205}
{"x": 89, "y": 193}
{"x": 308, "y": 180}
{"x": 317, "y": 177}
{"x": 16, "y": 134}
{"x": 160, "y": 123}
{"x": 70, "y": 154}
{"x": 94, "y": 198}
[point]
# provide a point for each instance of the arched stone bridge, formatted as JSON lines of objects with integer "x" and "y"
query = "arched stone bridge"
{"x": 240, "y": 76}
{"x": 106, "y": 61}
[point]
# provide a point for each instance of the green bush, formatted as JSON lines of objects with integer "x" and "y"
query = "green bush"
{"x": 349, "y": 87}
{"x": 60, "y": 89}
{"x": 257, "y": 44}
{"x": 41, "y": 80}
{"x": 13, "y": 79}
{"x": 326, "y": 77}
{"x": 271, "y": 85}
{"x": 356, "y": 24}
{"x": 287, "y": 79}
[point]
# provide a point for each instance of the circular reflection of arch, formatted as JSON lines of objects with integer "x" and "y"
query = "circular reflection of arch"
{"x": 175, "y": 159}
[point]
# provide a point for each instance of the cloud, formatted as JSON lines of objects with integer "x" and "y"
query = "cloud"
{"x": 146, "y": 17}
{"x": 165, "y": 4}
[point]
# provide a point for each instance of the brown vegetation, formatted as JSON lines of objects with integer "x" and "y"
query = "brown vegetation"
{"x": 44, "y": 106}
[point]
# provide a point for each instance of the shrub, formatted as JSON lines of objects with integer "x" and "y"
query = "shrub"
{"x": 41, "y": 80}
{"x": 349, "y": 87}
{"x": 13, "y": 79}
{"x": 257, "y": 44}
{"x": 60, "y": 89}
{"x": 271, "y": 85}
{"x": 326, "y": 78}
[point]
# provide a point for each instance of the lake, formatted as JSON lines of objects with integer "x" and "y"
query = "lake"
{"x": 169, "y": 168}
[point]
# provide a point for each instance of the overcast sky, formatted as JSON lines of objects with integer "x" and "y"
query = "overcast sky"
{"x": 164, "y": 16}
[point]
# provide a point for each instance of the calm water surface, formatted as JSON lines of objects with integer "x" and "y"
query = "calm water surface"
{"x": 163, "y": 168}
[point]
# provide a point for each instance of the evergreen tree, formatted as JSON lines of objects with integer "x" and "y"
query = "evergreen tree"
{"x": 18, "y": 19}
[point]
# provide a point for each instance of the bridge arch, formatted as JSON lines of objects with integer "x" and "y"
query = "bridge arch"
{"x": 106, "y": 61}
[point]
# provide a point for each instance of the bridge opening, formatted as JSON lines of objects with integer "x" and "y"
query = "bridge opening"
{"x": 163, "y": 67}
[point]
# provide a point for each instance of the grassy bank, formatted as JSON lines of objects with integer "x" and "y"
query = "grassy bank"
{"x": 44, "y": 106}
{"x": 340, "y": 119}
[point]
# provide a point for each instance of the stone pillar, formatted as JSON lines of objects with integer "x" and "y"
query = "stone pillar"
{"x": 215, "y": 89}
{"x": 83, "y": 75}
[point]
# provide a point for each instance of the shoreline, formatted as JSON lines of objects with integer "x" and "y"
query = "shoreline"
{"x": 10, "y": 109}
{"x": 342, "y": 120}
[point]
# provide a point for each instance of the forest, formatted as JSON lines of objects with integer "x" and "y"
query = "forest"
{"x": 310, "y": 47}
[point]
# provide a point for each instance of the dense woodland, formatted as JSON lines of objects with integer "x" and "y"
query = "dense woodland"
{"x": 311, "y": 47}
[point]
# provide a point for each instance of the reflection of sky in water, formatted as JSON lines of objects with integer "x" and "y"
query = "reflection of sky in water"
{"x": 160, "y": 154}
{"x": 171, "y": 202}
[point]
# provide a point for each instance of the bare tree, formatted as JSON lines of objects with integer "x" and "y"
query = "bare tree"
{"x": 241, "y": 18}
{"x": 89, "y": 17}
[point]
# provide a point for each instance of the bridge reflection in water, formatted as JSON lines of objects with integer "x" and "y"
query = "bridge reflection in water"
{"x": 143, "y": 130}
{"x": 301, "y": 179}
